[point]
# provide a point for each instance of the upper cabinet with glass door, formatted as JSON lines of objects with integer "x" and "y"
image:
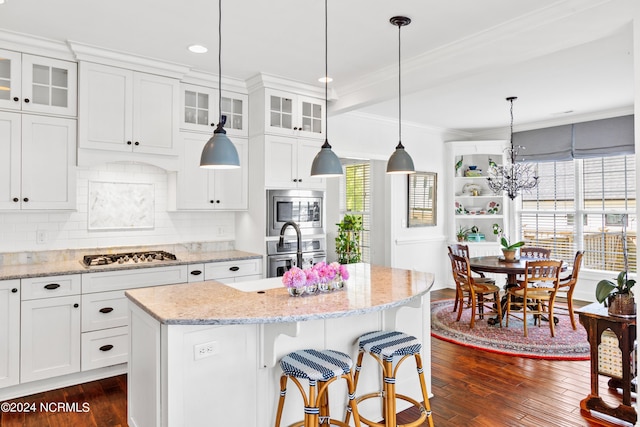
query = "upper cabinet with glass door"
{"x": 291, "y": 114}
{"x": 37, "y": 84}
{"x": 200, "y": 110}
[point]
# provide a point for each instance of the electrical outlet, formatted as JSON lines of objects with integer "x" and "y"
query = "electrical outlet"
{"x": 206, "y": 350}
{"x": 41, "y": 236}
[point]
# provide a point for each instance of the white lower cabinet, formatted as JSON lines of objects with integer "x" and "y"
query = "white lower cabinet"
{"x": 9, "y": 332}
{"x": 50, "y": 337}
{"x": 105, "y": 347}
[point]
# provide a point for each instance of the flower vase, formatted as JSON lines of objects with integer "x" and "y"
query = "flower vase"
{"x": 296, "y": 292}
{"x": 312, "y": 289}
{"x": 324, "y": 286}
{"x": 337, "y": 284}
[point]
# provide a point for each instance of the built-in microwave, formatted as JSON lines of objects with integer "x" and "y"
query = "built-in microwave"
{"x": 304, "y": 207}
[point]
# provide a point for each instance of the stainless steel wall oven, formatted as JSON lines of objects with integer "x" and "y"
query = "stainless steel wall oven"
{"x": 304, "y": 207}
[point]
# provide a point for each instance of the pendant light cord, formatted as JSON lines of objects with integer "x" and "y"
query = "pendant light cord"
{"x": 220, "y": 62}
{"x": 326, "y": 77}
{"x": 399, "y": 90}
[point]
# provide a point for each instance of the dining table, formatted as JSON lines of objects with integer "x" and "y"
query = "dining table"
{"x": 498, "y": 265}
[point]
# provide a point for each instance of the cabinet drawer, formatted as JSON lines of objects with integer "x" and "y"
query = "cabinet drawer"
{"x": 50, "y": 286}
{"x": 104, "y": 310}
{"x": 105, "y": 348}
{"x": 196, "y": 273}
{"x": 134, "y": 278}
{"x": 229, "y": 269}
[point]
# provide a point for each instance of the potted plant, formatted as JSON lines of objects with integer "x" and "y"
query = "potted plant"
{"x": 461, "y": 234}
{"x": 509, "y": 249}
{"x": 348, "y": 239}
{"x": 617, "y": 296}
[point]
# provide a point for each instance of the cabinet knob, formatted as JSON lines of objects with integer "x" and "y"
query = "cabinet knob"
{"x": 51, "y": 286}
{"x": 14, "y": 290}
{"x": 211, "y": 201}
{"x": 299, "y": 179}
{"x": 212, "y": 125}
{"x": 106, "y": 347}
{"x": 15, "y": 199}
{"x": 196, "y": 272}
{"x": 217, "y": 201}
{"x": 76, "y": 305}
{"x": 295, "y": 179}
{"x": 26, "y": 199}
{"x": 16, "y": 99}
{"x": 129, "y": 142}
{"x": 26, "y": 100}
{"x": 106, "y": 310}
{"x": 136, "y": 143}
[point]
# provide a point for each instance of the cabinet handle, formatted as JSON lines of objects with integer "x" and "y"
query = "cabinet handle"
{"x": 234, "y": 268}
{"x": 14, "y": 290}
{"x": 26, "y": 100}
{"x": 16, "y": 99}
{"x": 196, "y": 272}
{"x": 136, "y": 143}
{"x": 129, "y": 143}
{"x": 15, "y": 199}
{"x": 106, "y": 347}
{"x": 106, "y": 310}
{"x": 52, "y": 286}
{"x": 76, "y": 305}
{"x": 26, "y": 199}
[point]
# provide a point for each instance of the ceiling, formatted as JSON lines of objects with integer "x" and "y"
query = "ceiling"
{"x": 564, "y": 59}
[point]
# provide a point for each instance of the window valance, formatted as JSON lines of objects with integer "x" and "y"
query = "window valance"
{"x": 597, "y": 138}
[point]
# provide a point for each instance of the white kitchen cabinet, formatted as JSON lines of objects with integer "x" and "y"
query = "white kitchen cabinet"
{"x": 127, "y": 111}
{"x": 9, "y": 332}
{"x": 294, "y": 115}
{"x": 37, "y": 154}
{"x": 38, "y": 84}
{"x": 234, "y": 271}
{"x": 472, "y": 202}
{"x": 200, "y": 110}
{"x": 288, "y": 163}
{"x": 49, "y": 337}
{"x": 210, "y": 189}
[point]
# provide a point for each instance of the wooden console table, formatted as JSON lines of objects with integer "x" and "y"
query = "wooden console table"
{"x": 595, "y": 319}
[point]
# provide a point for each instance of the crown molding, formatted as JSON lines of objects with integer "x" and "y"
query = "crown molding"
{"x": 27, "y": 43}
{"x": 263, "y": 80}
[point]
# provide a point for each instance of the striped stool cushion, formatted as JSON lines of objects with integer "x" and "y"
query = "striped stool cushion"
{"x": 316, "y": 365}
{"x": 389, "y": 343}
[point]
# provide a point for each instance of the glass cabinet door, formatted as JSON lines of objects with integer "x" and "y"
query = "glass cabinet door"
{"x": 311, "y": 117}
{"x": 49, "y": 85}
{"x": 281, "y": 112}
{"x": 10, "y": 79}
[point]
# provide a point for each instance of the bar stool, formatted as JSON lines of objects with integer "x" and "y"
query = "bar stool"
{"x": 385, "y": 347}
{"x": 320, "y": 368}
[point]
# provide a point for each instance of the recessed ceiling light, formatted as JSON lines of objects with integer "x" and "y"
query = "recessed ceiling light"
{"x": 195, "y": 48}
{"x": 1, "y": 1}
{"x": 325, "y": 79}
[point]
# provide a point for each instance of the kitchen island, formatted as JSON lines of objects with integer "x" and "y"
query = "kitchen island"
{"x": 206, "y": 354}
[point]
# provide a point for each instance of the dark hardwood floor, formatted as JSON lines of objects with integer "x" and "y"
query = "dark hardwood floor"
{"x": 471, "y": 388}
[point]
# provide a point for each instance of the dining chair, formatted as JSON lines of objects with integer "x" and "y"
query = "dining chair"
{"x": 463, "y": 251}
{"x": 536, "y": 294}
{"x": 531, "y": 252}
{"x": 567, "y": 286}
{"x": 478, "y": 293}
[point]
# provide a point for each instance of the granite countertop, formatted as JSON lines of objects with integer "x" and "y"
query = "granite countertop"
{"x": 74, "y": 265}
{"x": 370, "y": 288}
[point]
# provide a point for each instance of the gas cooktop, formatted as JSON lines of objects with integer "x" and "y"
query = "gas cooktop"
{"x": 128, "y": 258}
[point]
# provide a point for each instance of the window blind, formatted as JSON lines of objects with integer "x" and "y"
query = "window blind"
{"x": 357, "y": 199}
{"x": 547, "y": 144}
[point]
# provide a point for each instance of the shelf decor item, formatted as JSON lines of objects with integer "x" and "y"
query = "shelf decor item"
{"x": 514, "y": 177}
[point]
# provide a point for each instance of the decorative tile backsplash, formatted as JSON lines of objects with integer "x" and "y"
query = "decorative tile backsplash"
{"x": 24, "y": 231}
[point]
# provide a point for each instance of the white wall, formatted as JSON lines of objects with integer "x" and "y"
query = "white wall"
{"x": 420, "y": 248}
{"x": 68, "y": 229}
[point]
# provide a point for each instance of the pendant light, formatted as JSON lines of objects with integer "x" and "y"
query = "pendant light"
{"x": 219, "y": 152}
{"x": 400, "y": 161}
{"x": 514, "y": 177}
{"x": 326, "y": 164}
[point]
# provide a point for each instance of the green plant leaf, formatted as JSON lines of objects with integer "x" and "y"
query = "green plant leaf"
{"x": 604, "y": 288}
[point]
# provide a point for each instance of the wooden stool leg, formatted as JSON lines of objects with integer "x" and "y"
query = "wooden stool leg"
{"x": 312, "y": 410}
{"x": 283, "y": 393}
{"x": 353, "y": 407}
{"x": 355, "y": 381}
{"x": 423, "y": 386}
{"x": 389, "y": 393}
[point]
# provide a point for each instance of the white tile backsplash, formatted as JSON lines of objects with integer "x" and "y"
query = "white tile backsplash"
{"x": 69, "y": 229}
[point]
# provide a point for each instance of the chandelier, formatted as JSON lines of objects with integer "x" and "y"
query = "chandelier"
{"x": 513, "y": 177}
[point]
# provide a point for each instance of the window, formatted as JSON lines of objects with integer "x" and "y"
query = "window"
{"x": 357, "y": 200}
{"x": 584, "y": 205}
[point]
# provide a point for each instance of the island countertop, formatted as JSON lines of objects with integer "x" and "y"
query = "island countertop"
{"x": 370, "y": 288}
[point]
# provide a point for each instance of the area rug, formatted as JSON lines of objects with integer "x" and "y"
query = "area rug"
{"x": 566, "y": 345}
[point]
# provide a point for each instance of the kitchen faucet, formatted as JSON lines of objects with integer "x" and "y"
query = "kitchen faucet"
{"x": 299, "y": 238}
